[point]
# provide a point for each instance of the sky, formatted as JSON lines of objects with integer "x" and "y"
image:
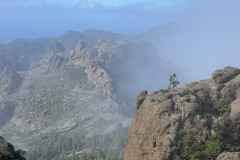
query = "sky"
{"x": 50, "y": 18}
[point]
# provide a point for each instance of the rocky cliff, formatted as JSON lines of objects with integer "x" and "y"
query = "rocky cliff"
{"x": 7, "y": 151}
{"x": 198, "y": 121}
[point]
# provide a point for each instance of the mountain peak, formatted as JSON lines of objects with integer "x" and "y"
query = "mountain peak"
{"x": 168, "y": 124}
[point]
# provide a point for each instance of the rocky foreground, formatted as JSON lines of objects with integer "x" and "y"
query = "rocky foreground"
{"x": 199, "y": 121}
{"x": 7, "y": 151}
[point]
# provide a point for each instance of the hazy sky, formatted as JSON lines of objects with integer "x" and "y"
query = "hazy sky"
{"x": 41, "y": 18}
{"x": 209, "y": 38}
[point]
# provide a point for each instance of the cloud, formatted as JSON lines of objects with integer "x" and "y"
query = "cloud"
{"x": 208, "y": 39}
{"x": 89, "y": 5}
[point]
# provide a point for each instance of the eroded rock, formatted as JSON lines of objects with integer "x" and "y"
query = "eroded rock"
{"x": 229, "y": 156}
{"x": 140, "y": 98}
{"x": 199, "y": 111}
{"x": 224, "y": 75}
{"x": 235, "y": 111}
{"x": 6, "y": 146}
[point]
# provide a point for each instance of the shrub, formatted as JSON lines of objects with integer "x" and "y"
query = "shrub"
{"x": 4, "y": 155}
{"x": 222, "y": 106}
{"x": 186, "y": 92}
{"x": 169, "y": 96}
{"x": 212, "y": 149}
{"x": 192, "y": 150}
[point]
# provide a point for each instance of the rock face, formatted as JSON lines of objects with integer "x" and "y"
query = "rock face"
{"x": 140, "y": 98}
{"x": 224, "y": 75}
{"x": 229, "y": 156}
{"x": 6, "y": 146}
{"x": 169, "y": 123}
{"x": 7, "y": 151}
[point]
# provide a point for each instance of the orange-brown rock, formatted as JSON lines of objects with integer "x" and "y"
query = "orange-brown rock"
{"x": 6, "y": 146}
{"x": 224, "y": 75}
{"x": 165, "y": 117}
{"x": 140, "y": 98}
{"x": 229, "y": 156}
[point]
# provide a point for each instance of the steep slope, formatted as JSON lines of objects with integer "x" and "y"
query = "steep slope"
{"x": 13, "y": 62}
{"x": 198, "y": 121}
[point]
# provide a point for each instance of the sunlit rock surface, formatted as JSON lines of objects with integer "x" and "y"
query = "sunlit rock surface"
{"x": 200, "y": 111}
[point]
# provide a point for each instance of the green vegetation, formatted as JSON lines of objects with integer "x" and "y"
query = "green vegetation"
{"x": 173, "y": 82}
{"x": 106, "y": 147}
{"x": 192, "y": 150}
{"x": 222, "y": 106}
{"x": 227, "y": 140}
{"x": 169, "y": 96}
{"x": 6, "y": 155}
{"x": 17, "y": 155}
{"x": 186, "y": 92}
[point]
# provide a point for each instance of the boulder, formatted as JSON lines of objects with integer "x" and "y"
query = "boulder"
{"x": 229, "y": 156}
{"x": 140, "y": 98}
{"x": 225, "y": 75}
{"x": 235, "y": 111}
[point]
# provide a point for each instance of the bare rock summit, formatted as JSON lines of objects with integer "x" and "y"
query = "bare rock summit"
{"x": 226, "y": 74}
{"x": 198, "y": 121}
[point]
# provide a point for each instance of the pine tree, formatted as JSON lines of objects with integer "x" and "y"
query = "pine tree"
{"x": 173, "y": 82}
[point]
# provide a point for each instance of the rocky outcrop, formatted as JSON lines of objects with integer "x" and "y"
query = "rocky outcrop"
{"x": 7, "y": 151}
{"x": 80, "y": 46}
{"x": 6, "y": 146}
{"x": 229, "y": 156}
{"x": 224, "y": 75}
{"x": 235, "y": 111}
{"x": 140, "y": 98}
{"x": 168, "y": 124}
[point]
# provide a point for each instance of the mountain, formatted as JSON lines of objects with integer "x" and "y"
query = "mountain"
{"x": 90, "y": 36}
{"x": 32, "y": 49}
{"x": 38, "y": 48}
{"x": 197, "y": 121}
{"x": 74, "y": 94}
{"x": 81, "y": 94}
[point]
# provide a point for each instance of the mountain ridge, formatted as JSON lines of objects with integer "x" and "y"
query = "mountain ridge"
{"x": 77, "y": 91}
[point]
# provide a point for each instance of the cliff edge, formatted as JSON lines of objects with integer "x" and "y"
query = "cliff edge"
{"x": 7, "y": 151}
{"x": 199, "y": 121}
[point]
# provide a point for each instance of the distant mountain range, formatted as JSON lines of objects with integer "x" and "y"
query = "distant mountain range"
{"x": 81, "y": 82}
